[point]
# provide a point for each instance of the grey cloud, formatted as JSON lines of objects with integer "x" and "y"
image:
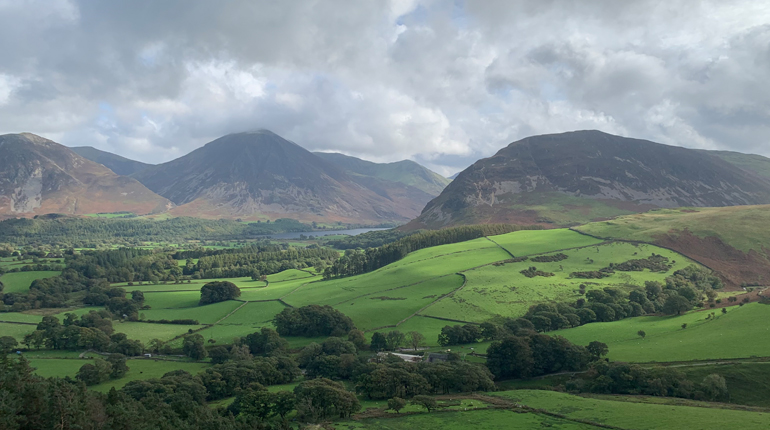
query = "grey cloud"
{"x": 444, "y": 83}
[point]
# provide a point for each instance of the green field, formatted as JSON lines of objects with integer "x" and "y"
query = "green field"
{"x": 290, "y": 274}
{"x": 736, "y": 334}
{"x": 145, "y": 332}
{"x": 641, "y": 416}
{"x": 529, "y": 242}
{"x": 474, "y": 419}
{"x": 140, "y": 368}
{"x": 208, "y": 314}
{"x": 503, "y": 290}
{"x": 19, "y": 282}
{"x": 17, "y": 331}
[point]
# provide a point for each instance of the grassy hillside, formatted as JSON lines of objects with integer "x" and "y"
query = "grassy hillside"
{"x": 732, "y": 240}
{"x": 735, "y": 334}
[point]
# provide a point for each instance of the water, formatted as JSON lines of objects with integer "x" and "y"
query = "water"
{"x": 296, "y": 234}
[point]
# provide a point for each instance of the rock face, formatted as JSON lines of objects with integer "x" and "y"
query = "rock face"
{"x": 261, "y": 175}
{"x": 608, "y": 174}
{"x": 116, "y": 163}
{"x": 39, "y": 176}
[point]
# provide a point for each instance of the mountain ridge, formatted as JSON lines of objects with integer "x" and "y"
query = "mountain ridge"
{"x": 39, "y": 176}
{"x": 574, "y": 177}
{"x": 121, "y": 165}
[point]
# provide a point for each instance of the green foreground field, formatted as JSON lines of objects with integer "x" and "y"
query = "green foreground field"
{"x": 735, "y": 334}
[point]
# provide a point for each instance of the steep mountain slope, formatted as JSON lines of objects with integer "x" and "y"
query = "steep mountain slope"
{"x": 39, "y": 176}
{"x": 259, "y": 175}
{"x": 406, "y": 172}
{"x": 409, "y": 185}
{"x": 116, "y": 163}
{"x": 575, "y": 177}
{"x": 753, "y": 163}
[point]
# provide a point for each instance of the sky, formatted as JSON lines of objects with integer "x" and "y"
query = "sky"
{"x": 443, "y": 83}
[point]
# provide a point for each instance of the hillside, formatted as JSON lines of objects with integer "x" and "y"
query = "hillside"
{"x": 406, "y": 172}
{"x": 731, "y": 240}
{"x": 259, "y": 175}
{"x": 576, "y": 177}
{"x": 756, "y": 164}
{"x": 39, "y": 176}
{"x": 116, "y": 163}
{"x": 409, "y": 185}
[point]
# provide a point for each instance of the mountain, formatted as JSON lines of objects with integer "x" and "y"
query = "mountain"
{"x": 753, "y": 163}
{"x": 39, "y": 176}
{"x": 406, "y": 172}
{"x": 116, "y": 163}
{"x": 572, "y": 178}
{"x": 259, "y": 175}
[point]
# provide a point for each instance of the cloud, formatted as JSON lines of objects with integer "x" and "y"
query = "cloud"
{"x": 443, "y": 83}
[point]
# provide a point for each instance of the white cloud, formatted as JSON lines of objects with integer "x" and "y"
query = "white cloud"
{"x": 444, "y": 83}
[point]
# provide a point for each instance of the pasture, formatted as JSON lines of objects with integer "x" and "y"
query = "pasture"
{"x": 19, "y": 282}
{"x": 735, "y": 334}
{"x": 503, "y": 290}
{"x": 641, "y": 416}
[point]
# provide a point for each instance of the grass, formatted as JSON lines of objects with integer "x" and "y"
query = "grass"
{"x": 20, "y": 317}
{"x": 415, "y": 268}
{"x": 477, "y": 419}
{"x": 747, "y": 383}
{"x": 143, "y": 368}
{"x": 503, "y": 290}
{"x": 138, "y": 369}
{"x": 17, "y": 331}
{"x": 19, "y": 282}
{"x": 528, "y": 242}
{"x": 391, "y": 307}
{"x": 208, "y": 314}
{"x": 172, "y": 300}
{"x": 145, "y": 332}
{"x": 736, "y": 334}
{"x": 288, "y": 275}
{"x": 735, "y": 225}
{"x": 641, "y": 416}
{"x": 274, "y": 290}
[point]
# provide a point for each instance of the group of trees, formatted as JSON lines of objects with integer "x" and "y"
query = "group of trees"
{"x": 312, "y": 321}
{"x": 90, "y": 331}
{"x": 355, "y": 262}
{"x": 624, "y": 378}
{"x": 218, "y": 291}
{"x": 256, "y": 261}
{"x": 79, "y": 232}
{"x": 114, "y": 367}
{"x": 538, "y": 354}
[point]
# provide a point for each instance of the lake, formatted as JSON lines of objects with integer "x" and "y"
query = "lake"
{"x": 296, "y": 234}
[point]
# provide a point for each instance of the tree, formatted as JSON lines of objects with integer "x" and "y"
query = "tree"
{"x": 641, "y": 334}
{"x": 358, "y": 338}
{"x": 724, "y": 310}
{"x": 510, "y": 357}
{"x": 684, "y": 326}
{"x": 219, "y": 354}
{"x": 676, "y": 304}
{"x": 266, "y": 342}
{"x": 218, "y": 291}
{"x": 119, "y": 366}
{"x": 194, "y": 348}
{"x": 379, "y": 342}
{"x": 322, "y": 398}
{"x": 415, "y": 339}
{"x": 7, "y": 344}
{"x": 598, "y": 349}
{"x": 313, "y": 321}
{"x": 395, "y": 339}
{"x": 93, "y": 374}
{"x": 396, "y": 404}
{"x": 714, "y": 387}
{"x": 427, "y": 402}
{"x": 137, "y": 296}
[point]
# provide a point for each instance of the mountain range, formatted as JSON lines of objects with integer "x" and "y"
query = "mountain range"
{"x": 251, "y": 176}
{"x": 554, "y": 180}
{"x": 39, "y": 176}
{"x": 576, "y": 177}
